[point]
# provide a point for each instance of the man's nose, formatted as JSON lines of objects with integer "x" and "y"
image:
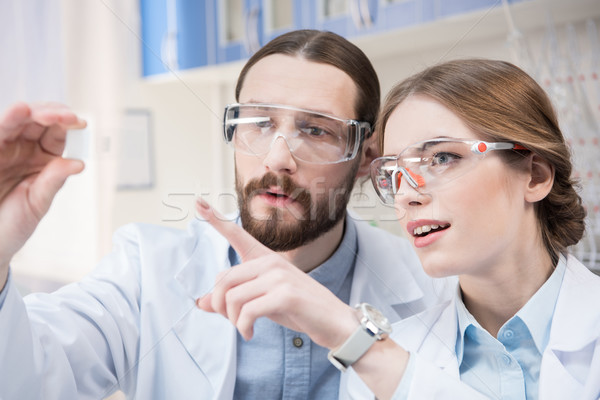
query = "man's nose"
{"x": 279, "y": 157}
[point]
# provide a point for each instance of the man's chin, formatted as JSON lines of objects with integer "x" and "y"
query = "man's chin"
{"x": 282, "y": 215}
{"x": 275, "y": 234}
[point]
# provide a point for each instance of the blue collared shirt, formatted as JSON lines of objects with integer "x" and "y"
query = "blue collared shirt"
{"x": 508, "y": 367}
{"x": 278, "y": 363}
{"x": 4, "y": 291}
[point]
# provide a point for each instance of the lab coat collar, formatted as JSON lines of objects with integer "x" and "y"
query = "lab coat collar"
{"x": 379, "y": 276}
{"x": 210, "y": 339}
{"x": 432, "y": 334}
{"x": 443, "y": 352}
{"x": 580, "y": 288}
{"x": 571, "y": 363}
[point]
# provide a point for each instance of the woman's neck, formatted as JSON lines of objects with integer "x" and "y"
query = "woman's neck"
{"x": 496, "y": 297}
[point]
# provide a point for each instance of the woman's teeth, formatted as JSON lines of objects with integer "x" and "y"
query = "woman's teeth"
{"x": 425, "y": 229}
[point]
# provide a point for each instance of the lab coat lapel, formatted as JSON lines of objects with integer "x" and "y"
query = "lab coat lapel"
{"x": 379, "y": 277}
{"x": 209, "y": 338}
{"x": 439, "y": 343}
{"x": 571, "y": 363}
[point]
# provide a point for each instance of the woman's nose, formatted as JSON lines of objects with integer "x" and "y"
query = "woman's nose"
{"x": 407, "y": 195}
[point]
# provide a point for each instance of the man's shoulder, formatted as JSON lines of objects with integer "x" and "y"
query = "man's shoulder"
{"x": 164, "y": 239}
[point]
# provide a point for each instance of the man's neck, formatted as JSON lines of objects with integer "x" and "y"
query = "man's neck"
{"x": 315, "y": 253}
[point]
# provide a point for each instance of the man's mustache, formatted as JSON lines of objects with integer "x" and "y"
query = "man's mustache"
{"x": 284, "y": 182}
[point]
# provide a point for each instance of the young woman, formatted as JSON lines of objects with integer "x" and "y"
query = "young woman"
{"x": 480, "y": 175}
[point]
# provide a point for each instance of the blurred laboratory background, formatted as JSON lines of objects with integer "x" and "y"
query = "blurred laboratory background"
{"x": 152, "y": 79}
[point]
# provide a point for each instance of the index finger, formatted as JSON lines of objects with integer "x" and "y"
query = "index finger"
{"x": 48, "y": 114}
{"x": 31, "y": 120}
{"x": 243, "y": 243}
{"x": 13, "y": 119}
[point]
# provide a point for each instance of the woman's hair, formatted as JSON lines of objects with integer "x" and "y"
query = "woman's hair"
{"x": 499, "y": 101}
{"x": 327, "y": 48}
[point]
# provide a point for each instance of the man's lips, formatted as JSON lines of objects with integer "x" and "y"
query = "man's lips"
{"x": 275, "y": 196}
{"x": 276, "y": 191}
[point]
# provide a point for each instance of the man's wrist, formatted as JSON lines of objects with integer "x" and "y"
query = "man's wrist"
{"x": 347, "y": 327}
{"x": 373, "y": 326}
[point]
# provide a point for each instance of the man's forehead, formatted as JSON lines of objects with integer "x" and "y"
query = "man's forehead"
{"x": 297, "y": 82}
{"x": 312, "y": 108}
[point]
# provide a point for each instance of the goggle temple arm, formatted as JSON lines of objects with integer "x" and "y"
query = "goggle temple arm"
{"x": 485, "y": 147}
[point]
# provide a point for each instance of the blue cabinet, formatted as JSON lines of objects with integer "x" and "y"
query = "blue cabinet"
{"x": 447, "y": 8}
{"x": 397, "y": 14}
{"x": 281, "y": 16}
{"x": 243, "y": 26}
{"x": 174, "y": 35}
{"x": 345, "y": 17}
{"x": 237, "y": 28}
{"x": 182, "y": 34}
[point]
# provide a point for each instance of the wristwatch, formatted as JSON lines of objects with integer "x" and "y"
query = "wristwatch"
{"x": 374, "y": 326}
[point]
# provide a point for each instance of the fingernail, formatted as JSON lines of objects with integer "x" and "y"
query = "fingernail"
{"x": 203, "y": 204}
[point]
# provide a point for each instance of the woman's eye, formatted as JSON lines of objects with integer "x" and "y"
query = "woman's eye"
{"x": 443, "y": 159}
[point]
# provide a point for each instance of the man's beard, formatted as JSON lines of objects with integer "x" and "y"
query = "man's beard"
{"x": 315, "y": 219}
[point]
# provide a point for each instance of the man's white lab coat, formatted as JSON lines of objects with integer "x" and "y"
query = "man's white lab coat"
{"x": 133, "y": 325}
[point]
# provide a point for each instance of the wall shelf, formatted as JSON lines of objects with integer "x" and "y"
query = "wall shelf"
{"x": 473, "y": 26}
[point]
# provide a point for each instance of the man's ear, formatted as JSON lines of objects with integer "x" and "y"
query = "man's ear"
{"x": 540, "y": 180}
{"x": 369, "y": 152}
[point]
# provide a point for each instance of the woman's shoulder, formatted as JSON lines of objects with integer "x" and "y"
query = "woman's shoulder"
{"x": 577, "y": 310}
{"x": 578, "y": 274}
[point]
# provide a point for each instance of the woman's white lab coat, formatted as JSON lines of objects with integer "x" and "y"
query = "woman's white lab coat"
{"x": 570, "y": 366}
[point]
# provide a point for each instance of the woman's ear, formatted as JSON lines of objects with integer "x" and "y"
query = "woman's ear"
{"x": 369, "y": 152}
{"x": 541, "y": 179}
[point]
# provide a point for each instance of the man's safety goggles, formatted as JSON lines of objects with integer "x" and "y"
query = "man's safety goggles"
{"x": 430, "y": 164}
{"x": 311, "y": 136}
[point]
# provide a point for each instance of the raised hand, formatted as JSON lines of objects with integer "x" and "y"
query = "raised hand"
{"x": 265, "y": 284}
{"x": 32, "y": 170}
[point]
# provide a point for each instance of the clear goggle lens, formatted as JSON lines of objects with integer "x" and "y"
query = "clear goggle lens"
{"x": 430, "y": 164}
{"x": 311, "y": 136}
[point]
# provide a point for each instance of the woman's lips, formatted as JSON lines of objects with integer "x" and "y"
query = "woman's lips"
{"x": 425, "y": 232}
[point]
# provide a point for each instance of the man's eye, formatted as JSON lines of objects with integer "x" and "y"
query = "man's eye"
{"x": 314, "y": 131}
{"x": 267, "y": 123}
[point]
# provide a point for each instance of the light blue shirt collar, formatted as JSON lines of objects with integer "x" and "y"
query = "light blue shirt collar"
{"x": 536, "y": 314}
{"x": 332, "y": 272}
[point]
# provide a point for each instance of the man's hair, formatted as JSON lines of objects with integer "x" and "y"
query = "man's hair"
{"x": 327, "y": 48}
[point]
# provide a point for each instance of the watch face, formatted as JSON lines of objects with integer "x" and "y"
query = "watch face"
{"x": 376, "y": 317}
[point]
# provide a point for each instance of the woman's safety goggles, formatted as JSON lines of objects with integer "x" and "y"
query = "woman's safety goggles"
{"x": 430, "y": 164}
{"x": 311, "y": 136}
